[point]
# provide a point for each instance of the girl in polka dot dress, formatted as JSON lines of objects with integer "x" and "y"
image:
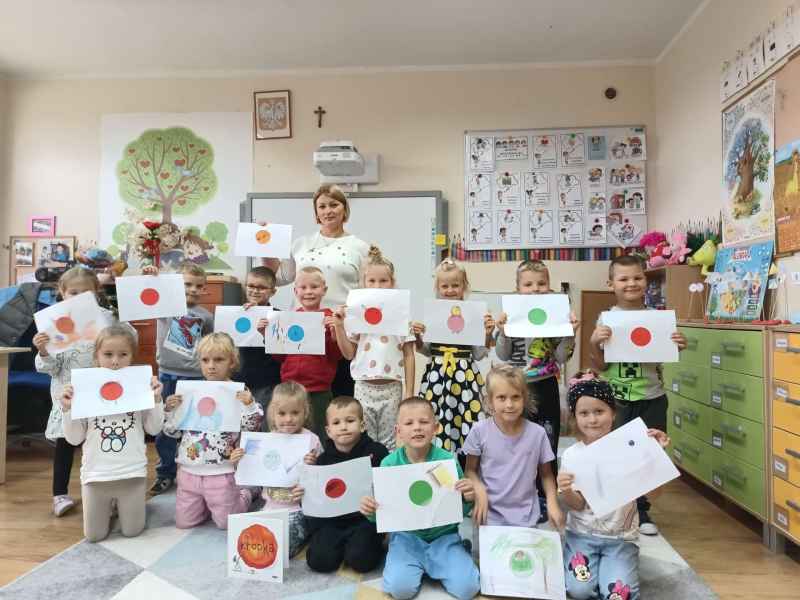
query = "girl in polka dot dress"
{"x": 452, "y": 381}
{"x": 379, "y": 363}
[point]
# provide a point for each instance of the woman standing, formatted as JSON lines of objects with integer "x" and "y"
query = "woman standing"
{"x": 338, "y": 254}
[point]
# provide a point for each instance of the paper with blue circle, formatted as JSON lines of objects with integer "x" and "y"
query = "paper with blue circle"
{"x": 295, "y": 332}
{"x": 241, "y": 324}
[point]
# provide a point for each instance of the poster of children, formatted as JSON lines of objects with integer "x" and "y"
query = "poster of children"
{"x": 511, "y": 148}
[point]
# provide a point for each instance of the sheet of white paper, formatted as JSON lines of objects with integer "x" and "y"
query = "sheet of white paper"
{"x": 272, "y": 459}
{"x": 150, "y": 296}
{"x": 241, "y": 324}
{"x": 371, "y": 310}
{"x": 521, "y": 562}
{"x": 334, "y": 490}
{"x": 410, "y": 496}
{"x": 292, "y": 332}
{"x": 255, "y": 547}
{"x": 271, "y": 241}
{"x": 641, "y": 336}
{"x": 622, "y": 466}
{"x": 209, "y": 405}
{"x": 100, "y": 392}
{"x": 540, "y": 227}
{"x": 537, "y": 315}
{"x": 76, "y": 319}
{"x": 455, "y": 322}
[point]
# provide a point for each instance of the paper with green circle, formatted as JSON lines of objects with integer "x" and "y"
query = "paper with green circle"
{"x": 537, "y": 315}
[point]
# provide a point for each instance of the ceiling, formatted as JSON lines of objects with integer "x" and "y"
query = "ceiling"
{"x": 142, "y": 38}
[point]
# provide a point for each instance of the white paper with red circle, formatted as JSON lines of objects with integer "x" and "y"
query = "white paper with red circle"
{"x": 334, "y": 490}
{"x": 100, "y": 392}
{"x": 71, "y": 321}
{"x": 272, "y": 459}
{"x": 268, "y": 241}
{"x": 265, "y": 561}
{"x": 241, "y": 324}
{"x": 294, "y": 332}
{"x": 537, "y": 315}
{"x": 150, "y": 296}
{"x": 379, "y": 311}
{"x": 455, "y": 322}
{"x": 209, "y": 405}
{"x": 640, "y": 336}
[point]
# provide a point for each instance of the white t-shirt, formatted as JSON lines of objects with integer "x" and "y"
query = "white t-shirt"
{"x": 339, "y": 259}
{"x": 379, "y": 357}
{"x": 623, "y": 523}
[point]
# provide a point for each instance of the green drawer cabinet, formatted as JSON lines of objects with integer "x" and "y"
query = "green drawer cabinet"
{"x": 738, "y": 351}
{"x": 698, "y": 346}
{"x": 739, "y": 480}
{"x": 690, "y": 417}
{"x": 738, "y": 437}
{"x": 688, "y": 380}
{"x": 691, "y": 455}
{"x": 738, "y": 393}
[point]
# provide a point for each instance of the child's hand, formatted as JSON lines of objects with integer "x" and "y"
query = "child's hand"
{"x": 173, "y": 402}
{"x": 368, "y": 506}
{"x": 245, "y": 397}
{"x": 466, "y": 488}
{"x": 262, "y": 325}
{"x": 679, "y": 339}
{"x": 417, "y": 328}
{"x": 67, "y": 394}
{"x": 237, "y": 455}
{"x": 488, "y": 323}
{"x": 248, "y": 305}
{"x": 40, "y": 340}
{"x": 481, "y": 508}
{"x": 564, "y": 481}
{"x": 310, "y": 458}
{"x": 157, "y": 388}
{"x": 555, "y": 515}
{"x": 150, "y": 270}
{"x": 661, "y": 437}
{"x": 501, "y": 322}
{"x": 573, "y": 320}
{"x": 330, "y": 322}
{"x": 297, "y": 493}
{"x": 601, "y": 335}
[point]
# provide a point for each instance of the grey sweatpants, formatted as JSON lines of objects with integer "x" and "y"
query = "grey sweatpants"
{"x": 97, "y": 497}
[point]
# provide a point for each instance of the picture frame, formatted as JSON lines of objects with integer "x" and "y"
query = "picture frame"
{"x": 42, "y": 226}
{"x": 23, "y": 253}
{"x": 19, "y": 271}
{"x": 55, "y": 252}
{"x": 272, "y": 114}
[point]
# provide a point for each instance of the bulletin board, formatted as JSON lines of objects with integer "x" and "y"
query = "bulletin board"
{"x": 555, "y": 188}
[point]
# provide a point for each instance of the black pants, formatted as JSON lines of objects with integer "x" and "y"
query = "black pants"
{"x": 544, "y": 396}
{"x": 357, "y": 544}
{"x": 62, "y": 466}
{"x": 343, "y": 383}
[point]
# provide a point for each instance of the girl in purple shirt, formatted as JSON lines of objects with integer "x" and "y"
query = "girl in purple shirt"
{"x": 504, "y": 455}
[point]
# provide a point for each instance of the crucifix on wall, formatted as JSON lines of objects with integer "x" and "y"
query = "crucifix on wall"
{"x": 319, "y": 112}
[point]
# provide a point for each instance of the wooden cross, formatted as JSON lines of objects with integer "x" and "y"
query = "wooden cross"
{"x": 319, "y": 112}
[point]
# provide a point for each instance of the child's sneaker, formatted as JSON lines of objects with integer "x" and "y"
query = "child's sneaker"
{"x": 62, "y": 505}
{"x": 646, "y": 525}
{"x": 160, "y": 485}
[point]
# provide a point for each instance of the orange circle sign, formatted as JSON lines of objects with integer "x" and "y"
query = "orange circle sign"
{"x": 65, "y": 325}
{"x": 263, "y": 236}
{"x": 257, "y": 546}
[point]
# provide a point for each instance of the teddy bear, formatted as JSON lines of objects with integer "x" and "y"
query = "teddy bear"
{"x": 677, "y": 249}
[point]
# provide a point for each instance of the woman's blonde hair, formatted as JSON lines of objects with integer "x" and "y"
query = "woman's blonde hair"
{"x": 534, "y": 266}
{"x": 114, "y": 331}
{"x": 288, "y": 391}
{"x": 515, "y": 378}
{"x": 335, "y": 192}
{"x": 446, "y": 266}
{"x": 220, "y": 342}
{"x": 375, "y": 258}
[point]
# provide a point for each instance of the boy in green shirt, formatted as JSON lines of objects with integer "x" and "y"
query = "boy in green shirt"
{"x": 638, "y": 387}
{"x": 437, "y": 551}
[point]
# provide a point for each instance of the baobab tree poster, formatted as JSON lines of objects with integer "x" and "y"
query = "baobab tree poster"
{"x": 188, "y": 169}
{"x": 747, "y": 166}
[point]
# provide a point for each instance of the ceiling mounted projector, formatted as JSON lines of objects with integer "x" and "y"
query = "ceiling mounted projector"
{"x": 339, "y": 158}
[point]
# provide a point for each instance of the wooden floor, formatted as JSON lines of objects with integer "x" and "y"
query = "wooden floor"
{"x": 725, "y": 551}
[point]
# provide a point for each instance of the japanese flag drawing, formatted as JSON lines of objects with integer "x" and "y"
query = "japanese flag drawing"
{"x": 256, "y": 544}
{"x": 271, "y": 240}
{"x": 100, "y": 392}
{"x": 641, "y": 336}
{"x": 150, "y": 296}
{"x": 334, "y": 490}
{"x": 373, "y": 310}
{"x": 72, "y": 321}
{"x": 241, "y": 324}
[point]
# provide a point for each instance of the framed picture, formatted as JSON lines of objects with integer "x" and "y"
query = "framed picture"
{"x": 55, "y": 252}
{"x": 42, "y": 226}
{"x": 272, "y": 114}
{"x": 23, "y": 253}
{"x": 29, "y": 252}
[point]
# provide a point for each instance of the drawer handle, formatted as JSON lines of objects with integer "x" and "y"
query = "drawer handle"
{"x": 731, "y": 388}
{"x": 693, "y": 451}
{"x": 732, "y": 474}
{"x": 793, "y": 349}
{"x": 687, "y": 377}
{"x": 792, "y": 453}
{"x": 793, "y": 401}
{"x": 690, "y": 414}
{"x": 793, "y": 505}
{"x": 735, "y": 431}
{"x": 733, "y": 346}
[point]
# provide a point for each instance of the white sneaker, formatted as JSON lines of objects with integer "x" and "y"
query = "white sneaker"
{"x": 648, "y": 528}
{"x": 62, "y": 505}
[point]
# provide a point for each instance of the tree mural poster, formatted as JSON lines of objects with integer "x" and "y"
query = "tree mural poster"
{"x": 190, "y": 170}
{"x": 747, "y": 167}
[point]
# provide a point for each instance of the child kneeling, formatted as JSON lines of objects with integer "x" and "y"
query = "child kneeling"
{"x": 437, "y": 551}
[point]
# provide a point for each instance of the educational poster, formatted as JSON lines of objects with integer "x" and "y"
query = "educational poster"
{"x": 480, "y": 190}
{"x": 540, "y": 225}
{"x": 596, "y": 231}
{"x": 570, "y": 227}
{"x": 335, "y": 490}
{"x": 787, "y": 160}
{"x": 748, "y": 169}
{"x": 480, "y": 227}
{"x": 507, "y": 189}
{"x": 272, "y": 459}
{"x": 150, "y": 296}
{"x": 481, "y": 154}
{"x": 293, "y": 332}
{"x": 272, "y": 240}
{"x": 640, "y": 336}
{"x": 521, "y": 562}
{"x": 629, "y": 146}
{"x": 622, "y": 229}
{"x": 511, "y": 148}
{"x": 597, "y": 147}
{"x": 616, "y": 200}
{"x": 100, "y": 392}
{"x": 454, "y": 322}
{"x": 726, "y": 81}
{"x": 544, "y": 152}
{"x": 755, "y": 58}
{"x": 74, "y": 320}
{"x": 537, "y": 189}
{"x": 739, "y": 72}
{"x": 256, "y": 547}
{"x": 509, "y": 226}
{"x": 378, "y": 311}
{"x": 569, "y": 190}
{"x": 241, "y": 324}
{"x": 596, "y": 178}
{"x": 597, "y": 204}
{"x": 634, "y": 201}
{"x": 626, "y": 174}
{"x": 739, "y": 282}
{"x": 573, "y": 149}
{"x": 209, "y": 405}
{"x": 771, "y": 52}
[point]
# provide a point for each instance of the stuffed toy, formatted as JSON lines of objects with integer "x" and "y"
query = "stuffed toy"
{"x": 677, "y": 249}
{"x": 654, "y": 244}
{"x": 706, "y": 255}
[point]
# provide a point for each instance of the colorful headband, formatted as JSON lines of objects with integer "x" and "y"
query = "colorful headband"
{"x": 589, "y": 385}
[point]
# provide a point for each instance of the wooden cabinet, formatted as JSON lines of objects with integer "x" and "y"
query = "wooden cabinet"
{"x": 673, "y": 282}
